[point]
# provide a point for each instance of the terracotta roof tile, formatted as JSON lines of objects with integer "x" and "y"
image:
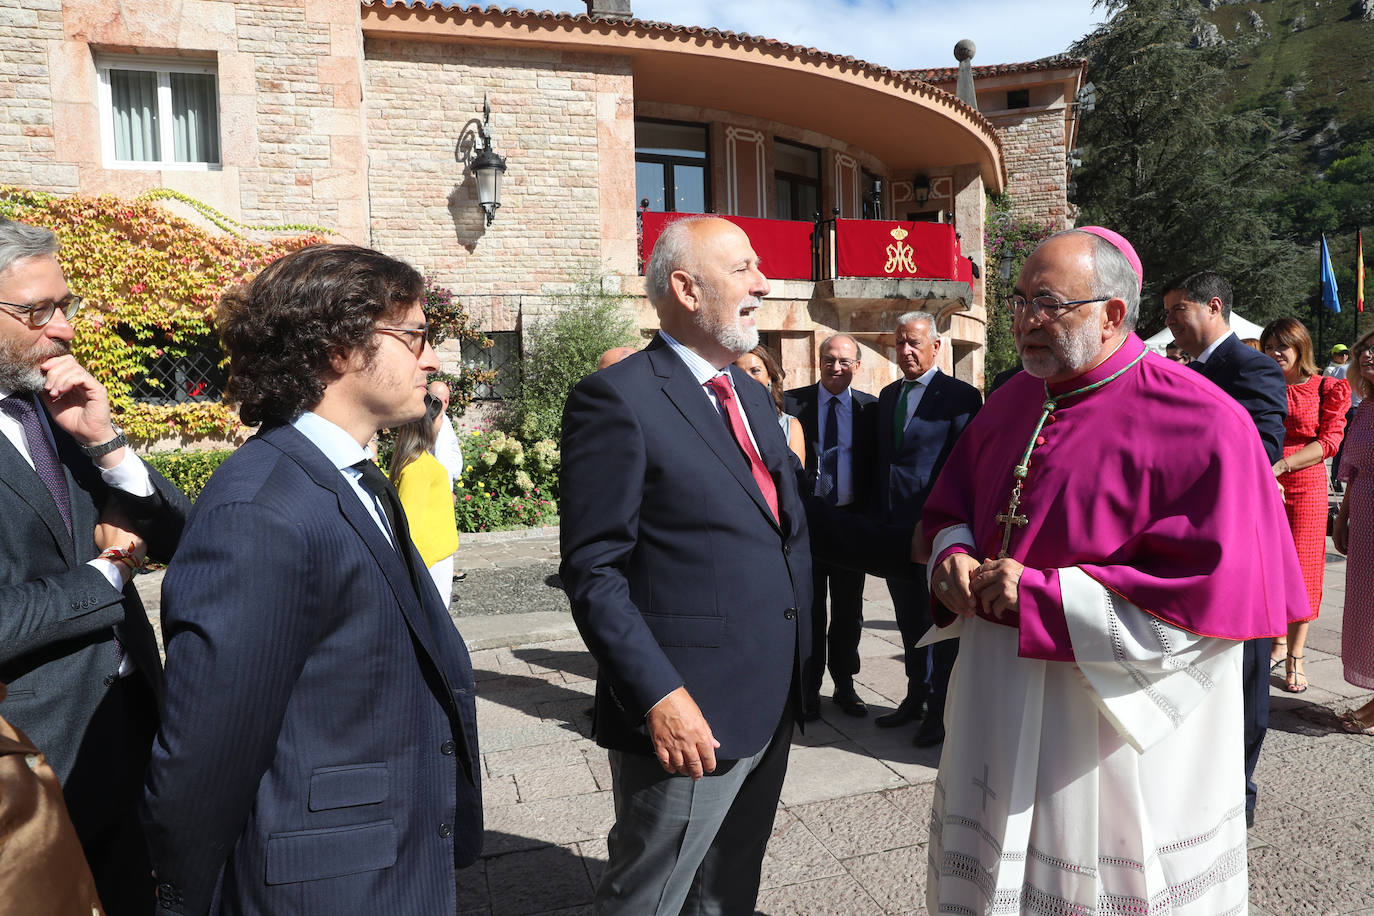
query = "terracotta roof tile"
{"x": 912, "y": 78}
{"x": 948, "y": 74}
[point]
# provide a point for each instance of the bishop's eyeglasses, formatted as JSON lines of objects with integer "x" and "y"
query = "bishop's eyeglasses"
{"x": 1047, "y": 305}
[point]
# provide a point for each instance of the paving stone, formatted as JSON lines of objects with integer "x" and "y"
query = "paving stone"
{"x": 1282, "y": 884}
{"x": 562, "y": 782}
{"x": 817, "y": 733}
{"x": 552, "y": 821}
{"x": 498, "y": 791}
{"x": 794, "y": 854}
{"x": 896, "y": 879}
{"x": 573, "y": 714}
{"x": 534, "y": 734}
{"x": 555, "y": 756}
{"x": 833, "y": 771}
{"x": 550, "y": 879}
{"x": 859, "y": 825}
{"x": 915, "y": 802}
{"x": 594, "y": 858}
{"x": 1328, "y": 674}
{"x": 825, "y": 897}
{"x": 600, "y": 766}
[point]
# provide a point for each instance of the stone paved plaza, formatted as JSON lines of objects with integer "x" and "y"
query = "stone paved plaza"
{"x": 850, "y": 834}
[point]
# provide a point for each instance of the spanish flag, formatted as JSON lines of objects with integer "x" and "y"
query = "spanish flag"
{"x": 1359, "y": 271}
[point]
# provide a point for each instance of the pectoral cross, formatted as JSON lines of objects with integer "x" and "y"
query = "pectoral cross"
{"x": 1009, "y": 520}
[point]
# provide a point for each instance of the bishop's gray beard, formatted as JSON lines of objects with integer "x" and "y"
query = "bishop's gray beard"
{"x": 1072, "y": 351}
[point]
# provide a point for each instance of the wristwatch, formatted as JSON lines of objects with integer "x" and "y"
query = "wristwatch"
{"x": 104, "y": 448}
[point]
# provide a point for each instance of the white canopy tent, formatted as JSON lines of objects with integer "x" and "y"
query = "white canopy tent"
{"x": 1242, "y": 326}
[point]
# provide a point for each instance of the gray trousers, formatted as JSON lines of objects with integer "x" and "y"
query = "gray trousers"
{"x": 693, "y": 848}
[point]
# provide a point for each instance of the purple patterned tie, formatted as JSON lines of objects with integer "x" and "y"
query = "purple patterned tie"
{"x": 21, "y": 408}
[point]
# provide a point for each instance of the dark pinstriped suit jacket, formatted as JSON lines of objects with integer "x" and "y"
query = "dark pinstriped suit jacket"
{"x": 57, "y": 627}
{"x": 310, "y": 759}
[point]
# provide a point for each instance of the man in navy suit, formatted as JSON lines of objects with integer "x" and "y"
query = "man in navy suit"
{"x": 919, "y": 419}
{"x": 78, "y": 513}
{"x": 687, "y": 564}
{"x": 318, "y": 748}
{"x": 838, "y": 422}
{"x": 1197, "y": 309}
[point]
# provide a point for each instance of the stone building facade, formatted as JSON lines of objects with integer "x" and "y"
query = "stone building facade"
{"x": 363, "y": 117}
{"x": 1035, "y": 110}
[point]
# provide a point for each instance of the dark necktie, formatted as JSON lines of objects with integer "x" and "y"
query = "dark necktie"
{"x": 375, "y": 482}
{"x": 828, "y": 476}
{"x": 726, "y": 395}
{"x": 899, "y": 415}
{"x": 21, "y": 408}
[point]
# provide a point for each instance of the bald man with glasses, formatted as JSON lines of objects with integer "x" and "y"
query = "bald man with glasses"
{"x": 81, "y": 512}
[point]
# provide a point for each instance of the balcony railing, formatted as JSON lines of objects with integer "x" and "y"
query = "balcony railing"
{"x": 833, "y": 248}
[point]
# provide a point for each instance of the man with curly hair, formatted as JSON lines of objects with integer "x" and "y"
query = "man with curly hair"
{"x": 319, "y": 748}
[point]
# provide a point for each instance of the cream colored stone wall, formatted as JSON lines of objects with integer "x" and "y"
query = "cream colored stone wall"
{"x": 290, "y": 93}
{"x": 29, "y": 28}
{"x": 565, "y": 124}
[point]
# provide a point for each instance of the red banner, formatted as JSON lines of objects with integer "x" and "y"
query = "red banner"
{"x": 783, "y": 246}
{"x": 886, "y": 248}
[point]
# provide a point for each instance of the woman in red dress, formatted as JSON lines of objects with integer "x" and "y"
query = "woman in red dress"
{"x": 1312, "y": 433}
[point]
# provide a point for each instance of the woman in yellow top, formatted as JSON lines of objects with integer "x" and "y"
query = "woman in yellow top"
{"x": 423, "y": 486}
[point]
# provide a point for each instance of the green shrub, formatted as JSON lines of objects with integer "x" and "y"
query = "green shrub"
{"x": 559, "y": 352}
{"x": 188, "y": 470}
{"x": 505, "y": 484}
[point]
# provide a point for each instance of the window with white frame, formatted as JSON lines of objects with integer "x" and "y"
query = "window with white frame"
{"x": 159, "y": 113}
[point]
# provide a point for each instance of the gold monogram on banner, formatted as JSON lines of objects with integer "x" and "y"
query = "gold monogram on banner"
{"x": 900, "y": 256}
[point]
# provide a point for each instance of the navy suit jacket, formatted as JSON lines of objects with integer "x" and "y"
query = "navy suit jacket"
{"x": 57, "y": 627}
{"x": 802, "y": 404}
{"x": 318, "y": 749}
{"x": 904, "y": 477}
{"x": 676, "y": 570}
{"x": 1256, "y": 381}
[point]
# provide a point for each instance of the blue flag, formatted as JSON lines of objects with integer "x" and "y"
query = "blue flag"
{"x": 1329, "y": 298}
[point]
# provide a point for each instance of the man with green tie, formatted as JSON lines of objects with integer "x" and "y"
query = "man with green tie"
{"x": 919, "y": 418}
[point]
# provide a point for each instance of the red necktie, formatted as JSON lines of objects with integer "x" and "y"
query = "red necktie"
{"x": 726, "y": 395}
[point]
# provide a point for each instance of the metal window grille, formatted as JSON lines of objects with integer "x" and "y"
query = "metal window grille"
{"x": 502, "y": 357}
{"x": 181, "y": 378}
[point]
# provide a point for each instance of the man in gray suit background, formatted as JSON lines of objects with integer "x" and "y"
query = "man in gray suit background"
{"x": 81, "y": 512}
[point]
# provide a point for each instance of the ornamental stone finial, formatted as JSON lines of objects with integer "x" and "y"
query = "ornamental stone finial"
{"x": 963, "y": 88}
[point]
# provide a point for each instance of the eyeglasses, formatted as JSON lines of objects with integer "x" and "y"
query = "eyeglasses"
{"x": 842, "y": 363}
{"x": 1362, "y": 352}
{"x": 1049, "y": 306}
{"x": 40, "y": 313}
{"x": 413, "y": 338}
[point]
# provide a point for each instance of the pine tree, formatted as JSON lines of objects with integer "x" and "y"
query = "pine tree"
{"x": 1171, "y": 168}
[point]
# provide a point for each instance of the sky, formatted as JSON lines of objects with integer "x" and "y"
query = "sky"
{"x": 901, "y": 34}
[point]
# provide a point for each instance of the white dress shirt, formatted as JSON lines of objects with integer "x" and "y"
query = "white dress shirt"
{"x": 918, "y": 391}
{"x": 703, "y": 372}
{"x": 1211, "y": 348}
{"x": 343, "y": 451}
{"x": 448, "y": 451}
